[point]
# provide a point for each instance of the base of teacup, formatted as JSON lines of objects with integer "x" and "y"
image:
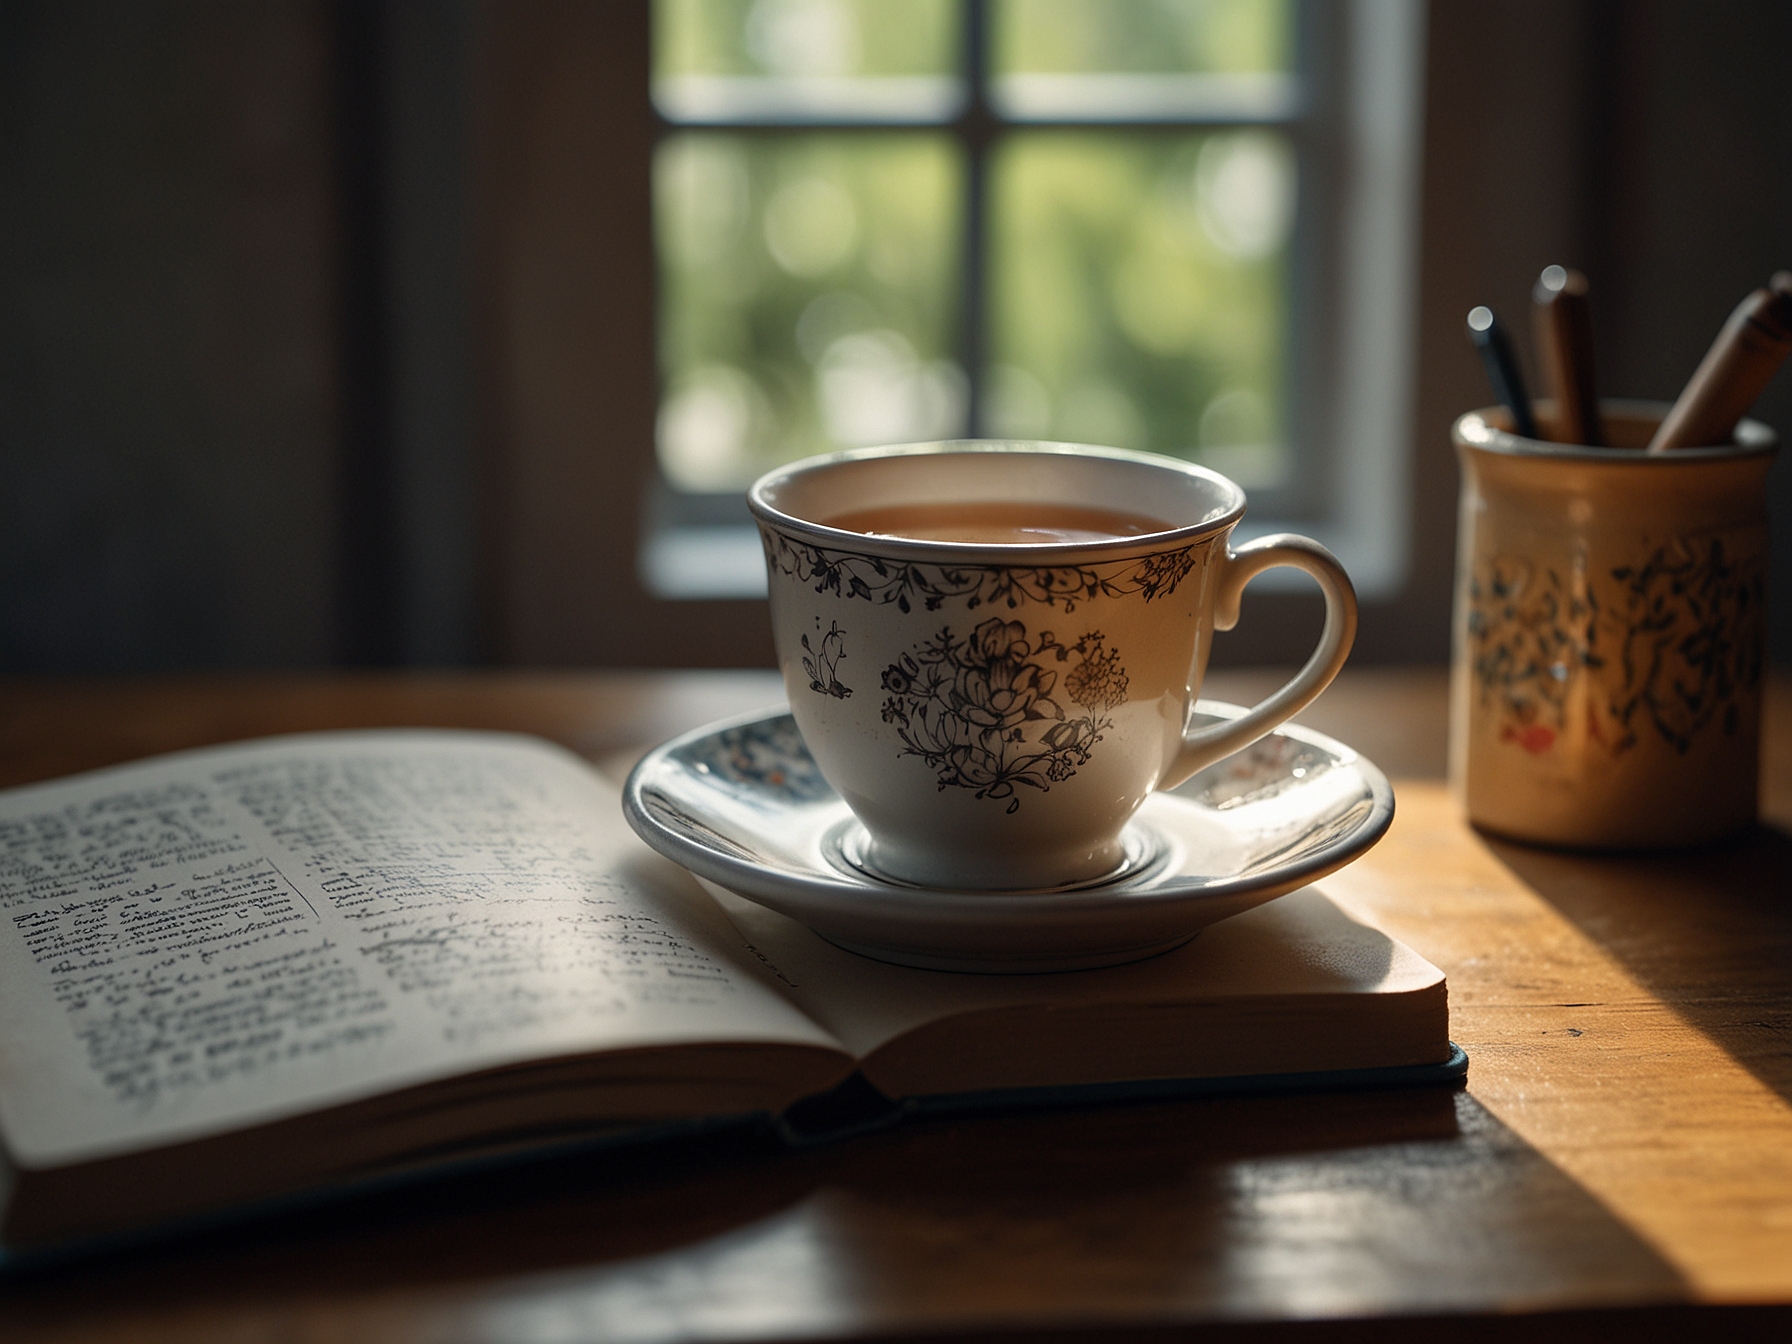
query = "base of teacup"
{"x": 1142, "y": 852}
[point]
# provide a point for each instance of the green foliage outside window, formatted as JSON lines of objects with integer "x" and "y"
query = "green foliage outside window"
{"x": 1141, "y": 36}
{"x": 805, "y": 37}
{"x": 1137, "y": 293}
{"x": 808, "y": 297}
{"x": 1135, "y": 290}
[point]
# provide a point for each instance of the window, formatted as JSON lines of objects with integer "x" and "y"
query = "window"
{"x": 1183, "y": 226}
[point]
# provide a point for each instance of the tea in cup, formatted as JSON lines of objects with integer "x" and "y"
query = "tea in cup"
{"x": 993, "y": 648}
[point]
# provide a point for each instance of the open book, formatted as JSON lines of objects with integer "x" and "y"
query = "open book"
{"x": 238, "y": 974}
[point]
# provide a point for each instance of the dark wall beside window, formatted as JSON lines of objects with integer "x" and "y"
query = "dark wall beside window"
{"x": 324, "y": 327}
{"x": 167, "y": 378}
{"x": 1692, "y": 204}
{"x": 235, "y": 404}
{"x": 1645, "y": 142}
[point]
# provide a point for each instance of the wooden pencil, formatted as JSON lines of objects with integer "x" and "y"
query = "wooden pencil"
{"x": 1565, "y": 349}
{"x": 1735, "y": 371}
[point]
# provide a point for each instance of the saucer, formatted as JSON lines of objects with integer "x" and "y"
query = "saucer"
{"x": 742, "y": 805}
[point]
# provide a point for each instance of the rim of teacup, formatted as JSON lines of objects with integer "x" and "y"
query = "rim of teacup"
{"x": 1481, "y": 429}
{"x": 762, "y": 493}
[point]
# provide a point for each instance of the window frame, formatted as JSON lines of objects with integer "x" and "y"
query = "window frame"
{"x": 1346, "y": 58}
{"x": 568, "y": 380}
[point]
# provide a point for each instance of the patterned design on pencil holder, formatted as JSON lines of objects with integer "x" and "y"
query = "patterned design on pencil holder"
{"x": 1670, "y": 641}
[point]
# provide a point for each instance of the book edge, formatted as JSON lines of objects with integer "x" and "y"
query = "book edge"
{"x": 1451, "y": 1073}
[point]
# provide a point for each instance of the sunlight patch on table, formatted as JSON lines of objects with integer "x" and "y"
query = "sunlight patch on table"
{"x": 1648, "y": 1113}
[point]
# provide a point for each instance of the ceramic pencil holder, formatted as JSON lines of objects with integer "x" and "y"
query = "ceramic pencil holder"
{"x": 1609, "y": 633}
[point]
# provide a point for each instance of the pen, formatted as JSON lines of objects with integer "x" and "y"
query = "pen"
{"x": 1502, "y": 369}
{"x": 1565, "y": 349}
{"x": 1735, "y": 370}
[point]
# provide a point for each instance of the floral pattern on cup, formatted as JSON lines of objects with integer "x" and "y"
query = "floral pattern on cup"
{"x": 822, "y": 662}
{"x": 981, "y": 709}
{"x": 874, "y": 578}
{"x": 1671, "y": 642}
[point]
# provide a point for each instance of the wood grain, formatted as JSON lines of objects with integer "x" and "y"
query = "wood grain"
{"x": 1619, "y": 1166}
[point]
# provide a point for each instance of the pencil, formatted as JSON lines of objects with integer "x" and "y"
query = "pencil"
{"x": 1735, "y": 371}
{"x": 1502, "y": 369}
{"x": 1565, "y": 349}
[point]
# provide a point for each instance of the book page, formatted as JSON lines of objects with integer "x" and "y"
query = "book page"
{"x": 235, "y": 935}
{"x": 1256, "y": 967}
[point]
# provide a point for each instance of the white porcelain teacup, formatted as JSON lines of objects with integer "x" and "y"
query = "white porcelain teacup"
{"x": 994, "y": 711}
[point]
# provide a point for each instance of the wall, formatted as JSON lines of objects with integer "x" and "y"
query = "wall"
{"x": 167, "y": 408}
{"x": 323, "y": 322}
{"x": 1690, "y": 178}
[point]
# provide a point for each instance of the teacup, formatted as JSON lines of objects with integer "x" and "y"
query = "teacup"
{"x": 995, "y": 712}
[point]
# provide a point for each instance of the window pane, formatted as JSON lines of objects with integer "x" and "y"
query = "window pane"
{"x": 1209, "y": 60}
{"x": 807, "y": 297}
{"x": 795, "y": 60}
{"x": 1141, "y": 36}
{"x": 1138, "y": 293}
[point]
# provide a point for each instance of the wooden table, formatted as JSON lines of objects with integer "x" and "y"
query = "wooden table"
{"x": 1620, "y": 1165}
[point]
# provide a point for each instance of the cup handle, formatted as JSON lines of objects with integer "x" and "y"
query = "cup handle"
{"x": 1203, "y": 746}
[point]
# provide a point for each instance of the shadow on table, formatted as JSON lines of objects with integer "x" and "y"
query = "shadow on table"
{"x": 1708, "y": 931}
{"x": 1332, "y": 1205}
{"x": 1281, "y": 1206}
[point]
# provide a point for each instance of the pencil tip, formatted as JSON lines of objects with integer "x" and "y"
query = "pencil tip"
{"x": 1556, "y": 281}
